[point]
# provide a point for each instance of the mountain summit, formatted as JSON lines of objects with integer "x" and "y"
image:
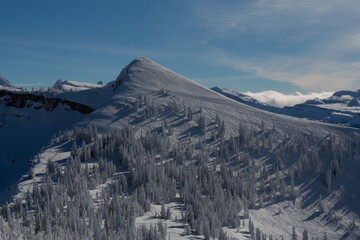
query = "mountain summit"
{"x": 163, "y": 86}
{"x": 143, "y": 74}
{"x": 5, "y": 83}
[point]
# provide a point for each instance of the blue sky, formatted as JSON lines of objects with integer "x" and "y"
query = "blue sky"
{"x": 257, "y": 45}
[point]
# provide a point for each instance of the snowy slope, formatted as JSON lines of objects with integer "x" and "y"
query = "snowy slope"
{"x": 28, "y": 121}
{"x": 238, "y": 96}
{"x": 244, "y": 98}
{"x": 162, "y": 86}
{"x": 148, "y": 97}
{"x": 143, "y": 76}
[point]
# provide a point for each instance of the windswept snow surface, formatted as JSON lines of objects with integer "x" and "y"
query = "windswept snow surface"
{"x": 115, "y": 106}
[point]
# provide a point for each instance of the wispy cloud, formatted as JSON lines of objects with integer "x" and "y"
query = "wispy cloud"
{"x": 65, "y": 67}
{"x": 313, "y": 40}
{"x": 86, "y": 47}
{"x": 305, "y": 72}
{"x": 348, "y": 42}
{"x": 268, "y": 16}
{"x": 277, "y": 99}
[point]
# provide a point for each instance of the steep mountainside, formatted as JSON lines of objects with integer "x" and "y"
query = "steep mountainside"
{"x": 158, "y": 148}
{"x": 28, "y": 121}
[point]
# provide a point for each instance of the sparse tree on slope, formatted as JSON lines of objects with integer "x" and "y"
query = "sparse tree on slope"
{"x": 305, "y": 235}
{"x": 293, "y": 235}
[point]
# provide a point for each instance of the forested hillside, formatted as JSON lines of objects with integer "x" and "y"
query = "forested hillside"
{"x": 162, "y": 157}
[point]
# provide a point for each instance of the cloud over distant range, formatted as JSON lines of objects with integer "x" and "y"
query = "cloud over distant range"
{"x": 277, "y": 99}
{"x": 296, "y": 42}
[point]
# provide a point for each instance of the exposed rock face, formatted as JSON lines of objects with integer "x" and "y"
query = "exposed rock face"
{"x": 21, "y": 100}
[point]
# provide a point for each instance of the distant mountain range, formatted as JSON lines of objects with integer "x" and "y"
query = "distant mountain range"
{"x": 343, "y": 107}
{"x": 74, "y": 86}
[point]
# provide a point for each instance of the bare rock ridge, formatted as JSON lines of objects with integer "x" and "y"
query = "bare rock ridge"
{"x": 21, "y": 100}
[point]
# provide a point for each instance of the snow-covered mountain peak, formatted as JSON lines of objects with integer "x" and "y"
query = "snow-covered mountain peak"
{"x": 58, "y": 84}
{"x": 153, "y": 136}
{"x": 141, "y": 59}
{"x": 4, "y": 82}
{"x": 354, "y": 103}
{"x": 144, "y": 75}
{"x": 354, "y": 94}
{"x": 162, "y": 87}
{"x": 74, "y": 86}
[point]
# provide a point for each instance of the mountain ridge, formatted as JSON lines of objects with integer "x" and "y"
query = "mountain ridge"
{"x": 151, "y": 120}
{"x": 74, "y": 86}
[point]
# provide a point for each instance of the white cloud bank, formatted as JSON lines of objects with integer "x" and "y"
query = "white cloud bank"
{"x": 277, "y": 99}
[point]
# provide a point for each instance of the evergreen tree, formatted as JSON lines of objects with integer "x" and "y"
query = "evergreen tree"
{"x": 293, "y": 235}
{"x": 305, "y": 235}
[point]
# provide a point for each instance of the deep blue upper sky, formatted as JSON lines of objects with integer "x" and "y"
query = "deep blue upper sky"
{"x": 282, "y": 45}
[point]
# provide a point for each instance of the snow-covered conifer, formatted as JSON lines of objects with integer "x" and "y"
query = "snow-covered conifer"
{"x": 319, "y": 205}
{"x": 305, "y": 235}
{"x": 293, "y": 234}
